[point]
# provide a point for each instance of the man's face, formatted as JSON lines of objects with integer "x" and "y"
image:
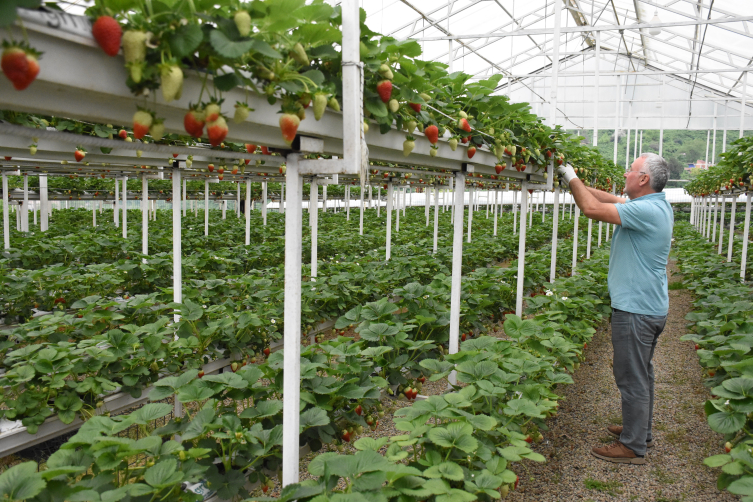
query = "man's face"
{"x": 636, "y": 178}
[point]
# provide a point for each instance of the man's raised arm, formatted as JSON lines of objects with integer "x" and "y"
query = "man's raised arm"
{"x": 606, "y": 197}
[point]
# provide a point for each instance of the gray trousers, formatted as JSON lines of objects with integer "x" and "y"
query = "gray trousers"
{"x": 634, "y": 338}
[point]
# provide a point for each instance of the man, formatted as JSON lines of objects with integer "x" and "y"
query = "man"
{"x": 638, "y": 289}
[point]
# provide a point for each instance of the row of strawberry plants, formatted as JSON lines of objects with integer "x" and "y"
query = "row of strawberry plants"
{"x": 218, "y": 319}
{"x": 721, "y": 323}
{"x": 458, "y": 446}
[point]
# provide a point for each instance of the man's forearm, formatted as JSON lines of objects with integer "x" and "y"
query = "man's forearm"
{"x": 606, "y": 197}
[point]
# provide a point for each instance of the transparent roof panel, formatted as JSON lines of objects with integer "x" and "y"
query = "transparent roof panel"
{"x": 712, "y": 54}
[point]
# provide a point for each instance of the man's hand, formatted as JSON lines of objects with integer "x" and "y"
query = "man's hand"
{"x": 567, "y": 173}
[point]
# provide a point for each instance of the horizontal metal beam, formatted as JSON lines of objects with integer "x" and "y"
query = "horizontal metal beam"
{"x": 589, "y": 29}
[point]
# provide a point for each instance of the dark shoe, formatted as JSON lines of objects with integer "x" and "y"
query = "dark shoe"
{"x": 616, "y": 430}
{"x": 618, "y": 453}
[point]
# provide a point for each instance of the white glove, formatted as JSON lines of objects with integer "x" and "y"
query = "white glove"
{"x": 567, "y": 173}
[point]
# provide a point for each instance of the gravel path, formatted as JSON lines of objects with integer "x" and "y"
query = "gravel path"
{"x": 674, "y": 471}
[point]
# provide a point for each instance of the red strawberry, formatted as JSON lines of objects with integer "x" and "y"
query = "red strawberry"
{"x": 107, "y": 33}
{"x": 359, "y": 410}
{"x": 264, "y": 488}
{"x": 250, "y": 148}
{"x": 529, "y": 439}
{"x": 235, "y": 170}
{"x": 384, "y": 88}
{"x": 211, "y": 168}
{"x": 201, "y": 374}
{"x": 142, "y": 121}
{"x": 432, "y": 134}
{"x": 19, "y": 66}
{"x": 517, "y": 479}
{"x": 289, "y": 126}
{"x": 727, "y": 447}
{"x": 462, "y": 338}
{"x": 193, "y": 123}
{"x": 79, "y": 154}
{"x": 499, "y": 168}
{"x": 265, "y": 151}
{"x": 422, "y": 379}
{"x": 464, "y": 125}
{"x": 471, "y": 151}
{"x": 697, "y": 347}
{"x": 346, "y": 436}
{"x": 217, "y": 131}
{"x": 465, "y": 140}
{"x": 416, "y": 107}
{"x": 267, "y": 351}
{"x": 123, "y": 134}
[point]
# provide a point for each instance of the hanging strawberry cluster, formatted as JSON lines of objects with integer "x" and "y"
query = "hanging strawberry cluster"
{"x": 731, "y": 174}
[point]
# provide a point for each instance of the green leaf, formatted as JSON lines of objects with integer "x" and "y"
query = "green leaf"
{"x": 227, "y": 81}
{"x": 726, "y": 422}
{"x": 369, "y": 443}
{"x": 21, "y": 482}
{"x": 376, "y": 107}
{"x": 447, "y": 470}
{"x": 455, "y": 435}
{"x": 150, "y": 412}
{"x": 185, "y": 40}
{"x": 163, "y": 474}
{"x": 313, "y": 417}
{"x": 228, "y": 48}
{"x": 265, "y": 49}
{"x": 742, "y": 486}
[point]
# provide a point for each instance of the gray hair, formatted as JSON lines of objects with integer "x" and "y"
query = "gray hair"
{"x": 658, "y": 170}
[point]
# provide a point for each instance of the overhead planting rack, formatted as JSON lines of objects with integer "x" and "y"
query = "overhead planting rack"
{"x": 79, "y": 81}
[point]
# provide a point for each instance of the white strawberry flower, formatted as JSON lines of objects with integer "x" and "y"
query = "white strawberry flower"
{"x": 564, "y": 298}
{"x": 273, "y": 321}
{"x": 549, "y": 292}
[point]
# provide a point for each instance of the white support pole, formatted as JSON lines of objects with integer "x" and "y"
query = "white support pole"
{"x": 716, "y": 209}
{"x": 601, "y": 223}
{"x": 731, "y": 230}
{"x": 457, "y": 268}
{"x": 495, "y": 210}
{"x": 471, "y": 195}
{"x": 292, "y": 326}
{"x": 436, "y": 219}
{"x": 206, "y": 206}
{"x": 371, "y": 199}
{"x": 223, "y": 204}
{"x": 324, "y": 198}
{"x": 396, "y": 193}
{"x": 184, "y": 202}
{"x": 530, "y": 209}
{"x": 555, "y": 72}
{"x": 115, "y": 204}
{"x": 543, "y": 206}
{"x": 6, "y": 215}
{"x": 746, "y": 233}
{"x": 248, "y": 212}
{"x": 427, "y": 202}
{"x": 125, "y": 207}
{"x": 44, "y": 204}
{"x": 742, "y": 104}
{"x": 390, "y": 192}
{"x": 379, "y": 200}
{"x": 575, "y": 238}
{"x": 713, "y": 147}
{"x": 515, "y": 211}
{"x": 588, "y": 244}
{"x": 617, "y": 118}
{"x": 94, "y": 215}
{"x": 709, "y": 212}
{"x": 572, "y": 204}
{"x": 264, "y": 202}
{"x": 238, "y": 199}
{"x": 177, "y": 246}
{"x": 347, "y": 202}
{"x": 144, "y": 215}
{"x": 708, "y": 142}
{"x": 360, "y": 216}
{"x": 452, "y": 201}
{"x": 521, "y": 248}
{"x": 314, "y": 223}
{"x": 640, "y": 145}
{"x": 34, "y": 212}
{"x": 282, "y": 198}
{"x": 721, "y": 226}
{"x": 405, "y": 191}
{"x": 555, "y": 237}
{"x": 597, "y": 43}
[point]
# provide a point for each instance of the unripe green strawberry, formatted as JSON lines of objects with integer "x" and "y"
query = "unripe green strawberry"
{"x": 334, "y": 104}
{"x": 453, "y": 142}
{"x": 408, "y": 146}
{"x": 157, "y": 131}
{"x": 394, "y": 105}
{"x": 136, "y": 70}
{"x": 212, "y": 112}
{"x": 134, "y": 46}
{"x": 425, "y": 97}
{"x": 365, "y": 126}
{"x": 433, "y": 152}
{"x": 462, "y": 114}
{"x": 241, "y": 112}
{"x": 320, "y": 104}
{"x": 386, "y": 72}
{"x": 242, "y": 22}
{"x": 171, "y": 77}
{"x": 33, "y": 149}
{"x": 410, "y": 126}
{"x": 298, "y": 53}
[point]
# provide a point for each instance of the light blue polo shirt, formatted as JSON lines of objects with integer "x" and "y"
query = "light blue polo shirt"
{"x": 638, "y": 257}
